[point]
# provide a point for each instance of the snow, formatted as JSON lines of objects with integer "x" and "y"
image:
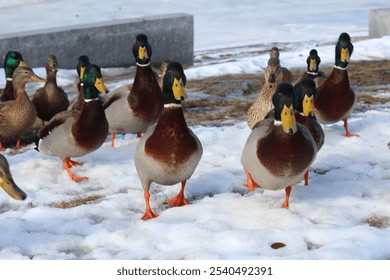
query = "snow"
{"x": 343, "y": 214}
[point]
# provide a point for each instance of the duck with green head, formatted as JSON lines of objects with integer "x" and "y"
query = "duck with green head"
{"x": 78, "y": 102}
{"x": 133, "y": 109}
{"x": 313, "y": 63}
{"x": 76, "y": 133}
{"x": 12, "y": 60}
{"x": 336, "y": 99}
{"x": 279, "y": 150}
{"x": 18, "y": 116}
{"x": 169, "y": 153}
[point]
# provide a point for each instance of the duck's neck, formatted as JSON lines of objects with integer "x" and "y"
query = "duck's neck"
{"x": 173, "y": 117}
{"x": 144, "y": 76}
{"x": 51, "y": 77}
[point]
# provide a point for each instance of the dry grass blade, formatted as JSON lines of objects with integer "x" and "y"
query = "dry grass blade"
{"x": 76, "y": 202}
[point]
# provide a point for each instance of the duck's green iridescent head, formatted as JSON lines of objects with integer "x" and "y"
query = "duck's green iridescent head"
{"x": 304, "y": 97}
{"x": 82, "y": 64}
{"x": 12, "y": 60}
{"x": 284, "y": 107}
{"x": 174, "y": 84}
{"x": 142, "y": 50}
{"x": 93, "y": 82}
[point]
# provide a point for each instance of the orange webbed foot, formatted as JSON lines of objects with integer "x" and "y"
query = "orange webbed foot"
{"x": 347, "y": 133}
{"x": 179, "y": 200}
{"x": 149, "y": 215}
{"x": 251, "y": 185}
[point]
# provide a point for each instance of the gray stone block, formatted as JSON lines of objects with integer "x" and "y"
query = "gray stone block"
{"x": 108, "y": 44}
{"x": 379, "y": 23}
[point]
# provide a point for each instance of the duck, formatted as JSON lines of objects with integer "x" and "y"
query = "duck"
{"x": 336, "y": 99}
{"x": 78, "y": 102}
{"x": 313, "y": 62}
{"x": 282, "y": 74}
{"x": 279, "y": 150}
{"x": 50, "y": 99}
{"x": 12, "y": 60}
{"x": 263, "y": 103}
{"x": 163, "y": 69}
{"x": 132, "y": 109}
{"x": 18, "y": 116}
{"x": 7, "y": 182}
{"x": 304, "y": 98}
{"x": 169, "y": 152}
{"x": 75, "y": 133}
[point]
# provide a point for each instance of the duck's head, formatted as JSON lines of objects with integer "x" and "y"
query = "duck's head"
{"x": 93, "y": 82}
{"x": 142, "y": 50}
{"x": 174, "y": 84}
{"x": 304, "y": 97}
{"x": 274, "y": 52}
{"x": 284, "y": 107}
{"x": 23, "y": 75}
{"x": 51, "y": 64}
{"x": 313, "y": 61}
{"x": 81, "y": 65}
{"x": 7, "y": 183}
{"x": 344, "y": 49}
{"x": 273, "y": 68}
{"x": 12, "y": 60}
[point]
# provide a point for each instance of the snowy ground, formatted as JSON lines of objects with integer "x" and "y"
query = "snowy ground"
{"x": 343, "y": 214}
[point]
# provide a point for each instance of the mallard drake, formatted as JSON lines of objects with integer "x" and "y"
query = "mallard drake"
{"x": 278, "y": 151}
{"x": 50, "y": 99}
{"x": 132, "y": 109}
{"x": 313, "y": 62}
{"x": 77, "y": 133}
{"x": 78, "y": 102}
{"x": 336, "y": 99}
{"x": 281, "y": 74}
{"x": 168, "y": 153}
{"x": 18, "y": 116}
{"x": 12, "y": 60}
{"x": 304, "y": 113}
{"x": 7, "y": 182}
{"x": 263, "y": 104}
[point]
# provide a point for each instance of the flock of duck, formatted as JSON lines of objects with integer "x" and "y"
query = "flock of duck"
{"x": 285, "y": 119}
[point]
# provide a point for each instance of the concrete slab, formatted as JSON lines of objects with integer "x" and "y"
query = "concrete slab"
{"x": 379, "y": 23}
{"x": 108, "y": 44}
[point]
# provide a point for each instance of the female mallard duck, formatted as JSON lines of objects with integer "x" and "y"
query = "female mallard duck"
{"x": 7, "y": 182}
{"x": 278, "y": 151}
{"x": 12, "y": 60}
{"x": 263, "y": 104}
{"x": 169, "y": 153}
{"x": 336, "y": 99}
{"x": 313, "y": 62}
{"x": 50, "y": 99}
{"x": 18, "y": 116}
{"x": 132, "y": 109}
{"x": 163, "y": 69}
{"x": 77, "y": 133}
{"x": 282, "y": 74}
{"x": 78, "y": 102}
{"x": 304, "y": 113}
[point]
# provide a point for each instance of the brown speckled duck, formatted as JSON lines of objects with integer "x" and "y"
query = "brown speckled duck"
{"x": 7, "y": 182}
{"x": 12, "y": 60}
{"x": 278, "y": 151}
{"x": 18, "y": 116}
{"x": 263, "y": 104}
{"x": 282, "y": 74}
{"x": 132, "y": 109}
{"x": 50, "y": 99}
{"x": 76, "y": 133}
{"x": 313, "y": 62}
{"x": 336, "y": 99}
{"x": 304, "y": 113}
{"x": 168, "y": 153}
{"x": 163, "y": 69}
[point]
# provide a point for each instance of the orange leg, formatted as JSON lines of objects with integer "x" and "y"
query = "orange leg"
{"x": 1, "y": 147}
{"x": 18, "y": 146}
{"x": 149, "y": 214}
{"x": 139, "y": 135}
{"x": 179, "y": 200}
{"x": 347, "y": 134}
{"x": 251, "y": 185}
{"x": 288, "y": 191}
{"x": 68, "y": 163}
{"x": 306, "y": 178}
{"x": 113, "y": 140}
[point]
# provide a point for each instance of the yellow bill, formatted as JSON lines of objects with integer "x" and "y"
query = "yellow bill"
{"x": 308, "y": 106}
{"x": 101, "y": 87}
{"x": 288, "y": 120}
{"x": 178, "y": 89}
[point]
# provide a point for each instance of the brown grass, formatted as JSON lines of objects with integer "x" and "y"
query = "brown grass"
{"x": 76, "y": 202}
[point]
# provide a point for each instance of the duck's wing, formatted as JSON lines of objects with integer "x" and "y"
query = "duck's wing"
{"x": 116, "y": 95}
{"x": 58, "y": 120}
